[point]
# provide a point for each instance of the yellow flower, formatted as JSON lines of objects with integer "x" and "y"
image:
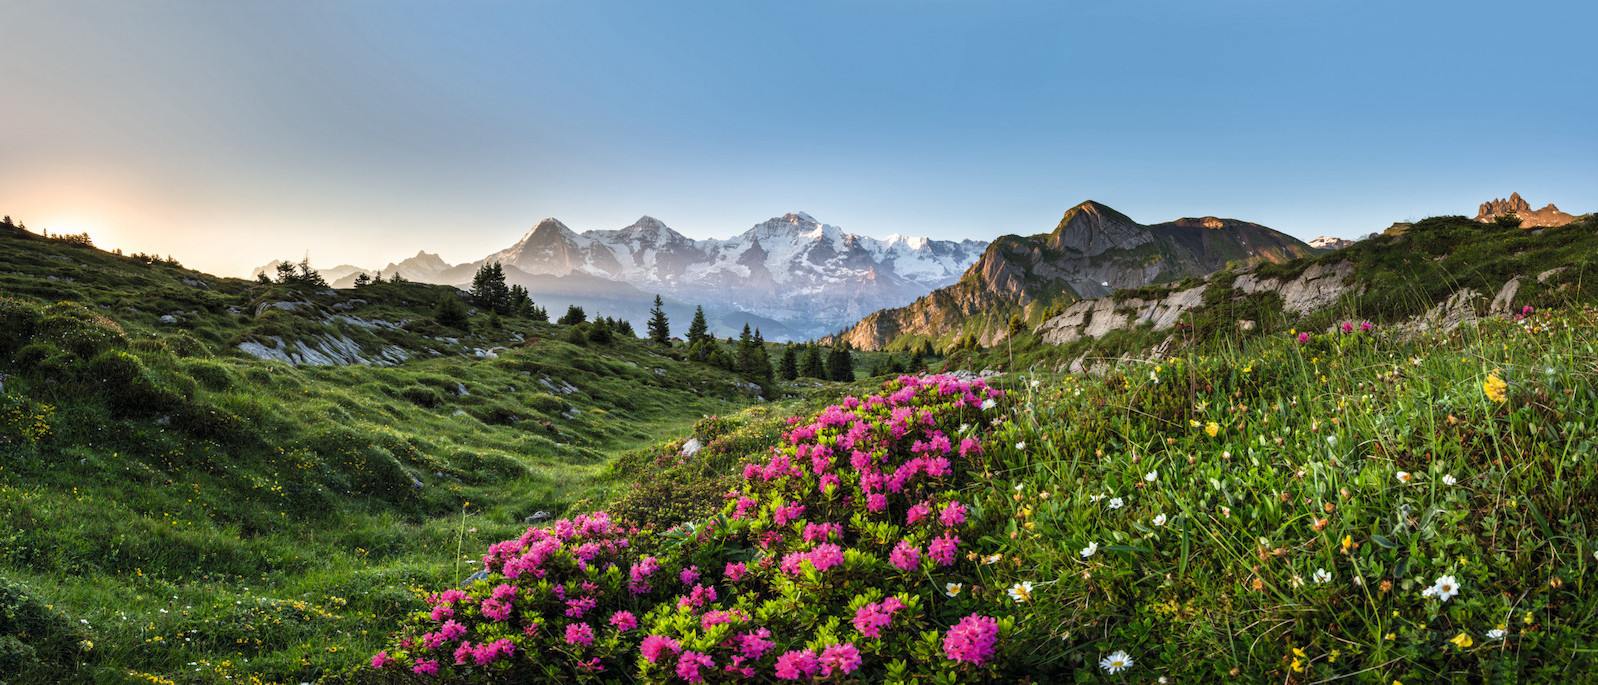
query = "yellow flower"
{"x": 1212, "y": 428}
{"x": 1495, "y": 388}
{"x": 1463, "y": 640}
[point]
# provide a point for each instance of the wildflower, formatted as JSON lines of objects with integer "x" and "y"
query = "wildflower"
{"x": 380, "y": 660}
{"x": 1496, "y": 633}
{"x": 624, "y": 620}
{"x": 1021, "y": 592}
{"x": 991, "y": 559}
{"x": 689, "y": 663}
{"x": 952, "y": 589}
{"x": 953, "y": 514}
{"x": 1117, "y": 662}
{"x": 654, "y": 645}
{"x": 1348, "y": 327}
{"x": 1226, "y": 512}
{"x": 1117, "y": 503}
{"x": 797, "y": 664}
{"x": 579, "y": 634}
{"x": 1303, "y": 337}
{"x": 1159, "y": 519}
{"x": 1444, "y": 589}
{"x": 1322, "y": 576}
{"x": 1212, "y": 429}
{"x": 972, "y": 639}
{"x": 1152, "y": 476}
{"x": 1090, "y": 550}
{"x": 1296, "y": 581}
{"x": 987, "y": 404}
{"x": 1404, "y": 477}
{"x": 1448, "y": 479}
{"x": 1021, "y": 445}
{"x": 1366, "y": 327}
{"x": 1495, "y": 388}
{"x": 905, "y": 556}
{"x": 1462, "y": 640}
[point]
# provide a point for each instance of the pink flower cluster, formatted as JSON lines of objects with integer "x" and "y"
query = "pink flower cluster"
{"x": 872, "y": 618}
{"x": 803, "y": 663}
{"x": 972, "y": 640}
{"x": 823, "y": 557}
{"x": 483, "y": 654}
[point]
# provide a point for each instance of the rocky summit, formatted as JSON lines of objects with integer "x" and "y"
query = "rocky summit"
{"x": 1518, "y": 207}
{"x": 1092, "y": 252}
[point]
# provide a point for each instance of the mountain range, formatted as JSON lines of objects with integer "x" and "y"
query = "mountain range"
{"x": 1093, "y": 251}
{"x": 798, "y": 276}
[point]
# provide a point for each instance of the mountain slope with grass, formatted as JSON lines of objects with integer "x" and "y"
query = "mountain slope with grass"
{"x": 173, "y": 509}
{"x": 1094, "y": 251}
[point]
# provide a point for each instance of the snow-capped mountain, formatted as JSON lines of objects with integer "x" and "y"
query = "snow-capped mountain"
{"x": 811, "y": 277}
{"x": 792, "y": 268}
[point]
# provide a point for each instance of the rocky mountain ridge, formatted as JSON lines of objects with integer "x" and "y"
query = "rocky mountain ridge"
{"x": 1516, "y": 206}
{"x": 1092, "y": 252}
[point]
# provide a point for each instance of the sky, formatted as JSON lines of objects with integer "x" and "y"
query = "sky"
{"x": 228, "y": 134}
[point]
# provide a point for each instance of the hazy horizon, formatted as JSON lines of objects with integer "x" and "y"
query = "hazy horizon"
{"x": 228, "y": 135}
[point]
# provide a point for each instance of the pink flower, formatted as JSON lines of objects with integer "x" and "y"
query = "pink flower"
{"x": 972, "y": 639}
{"x": 579, "y": 634}
{"x": 442, "y": 611}
{"x": 381, "y": 659}
{"x": 1528, "y": 310}
{"x": 953, "y": 514}
{"x": 1366, "y": 327}
{"x": 1348, "y": 327}
{"x": 735, "y": 571}
{"x": 876, "y": 501}
{"x": 872, "y": 618}
{"x": 1303, "y": 337}
{"x": 624, "y": 620}
{"x": 918, "y": 511}
{"x": 654, "y": 645}
{"x": 826, "y": 556}
{"x": 494, "y": 609}
{"x": 689, "y": 664}
{"x": 797, "y": 664}
{"x": 905, "y": 556}
{"x": 942, "y": 550}
{"x": 425, "y": 667}
{"x": 463, "y": 653}
{"x": 843, "y": 657}
{"x": 689, "y": 575}
{"x": 821, "y": 531}
{"x": 788, "y": 512}
{"x": 754, "y": 644}
{"x": 452, "y": 630}
{"x": 505, "y": 592}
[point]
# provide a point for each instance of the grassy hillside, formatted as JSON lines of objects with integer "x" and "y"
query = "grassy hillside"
{"x": 194, "y": 512}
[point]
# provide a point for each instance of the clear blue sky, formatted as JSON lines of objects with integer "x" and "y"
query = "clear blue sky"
{"x": 230, "y": 133}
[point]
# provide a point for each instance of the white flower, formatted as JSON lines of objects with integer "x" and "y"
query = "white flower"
{"x": 1159, "y": 520}
{"x": 1116, "y": 503}
{"x": 1331, "y": 440}
{"x": 1036, "y": 382}
{"x": 1021, "y": 445}
{"x": 1095, "y": 499}
{"x": 1296, "y": 581}
{"x": 1162, "y": 680}
{"x": 992, "y": 559}
{"x": 1152, "y": 476}
{"x": 1445, "y": 588}
{"x": 1495, "y": 633}
{"x": 1449, "y": 479}
{"x": 1404, "y": 477}
{"x": 1090, "y": 550}
{"x": 1018, "y": 486}
{"x": 952, "y": 589}
{"x": 1117, "y": 662}
{"x": 988, "y": 403}
{"x": 1154, "y": 376}
{"x": 1322, "y": 576}
{"x": 1359, "y": 581}
{"x": 1021, "y": 592}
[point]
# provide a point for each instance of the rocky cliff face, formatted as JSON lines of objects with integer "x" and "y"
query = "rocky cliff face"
{"x": 1515, "y": 205}
{"x": 1092, "y": 252}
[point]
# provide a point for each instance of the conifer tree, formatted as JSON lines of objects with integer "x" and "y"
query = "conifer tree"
{"x": 449, "y": 311}
{"x": 489, "y": 291}
{"x": 698, "y": 330}
{"x": 574, "y": 315}
{"x": 840, "y": 364}
{"x": 599, "y": 332}
{"x": 788, "y": 365}
{"x": 659, "y": 327}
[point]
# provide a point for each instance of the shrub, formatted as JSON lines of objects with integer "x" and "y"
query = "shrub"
{"x": 815, "y": 567}
{"x": 37, "y": 642}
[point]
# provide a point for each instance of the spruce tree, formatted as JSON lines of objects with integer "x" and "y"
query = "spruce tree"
{"x": 574, "y": 315}
{"x": 744, "y": 357}
{"x": 449, "y": 311}
{"x": 363, "y": 280}
{"x": 840, "y": 365}
{"x": 599, "y": 332}
{"x": 812, "y": 366}
{"x": 489, "y": 291}
{"x": 659, "y": 327}
{"x": 788, "y": 365}
{"x": 698, "y": 330}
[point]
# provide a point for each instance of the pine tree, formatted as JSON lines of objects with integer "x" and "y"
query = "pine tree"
{"x": 812, "y": 366}
{"x": 363, "y": 280}
{"x": 698, "y": 330}
{"x": 574, "y": 315}
{"x": 788, "y": 365}
{"x": 659, "y": 327}
{"x": 449, "y": 311}
{"x": 840, "y": 365}
{"x": 599, "y": 332}
{"x": 489, "y": 291}
{"x": 378, "y": 278}
{"x": 521, "y": 303}
{"x": 745, "y": 355}
{"x": 624, "y": 327}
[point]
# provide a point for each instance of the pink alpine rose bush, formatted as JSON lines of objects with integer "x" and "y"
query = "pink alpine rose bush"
{"x": 816, "y": 568}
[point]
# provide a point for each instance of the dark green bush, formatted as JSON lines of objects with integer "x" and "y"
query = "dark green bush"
{"x": 127, "y": 388}
{"x": 36, "y": 642}
{"x": 422, "y": 396}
